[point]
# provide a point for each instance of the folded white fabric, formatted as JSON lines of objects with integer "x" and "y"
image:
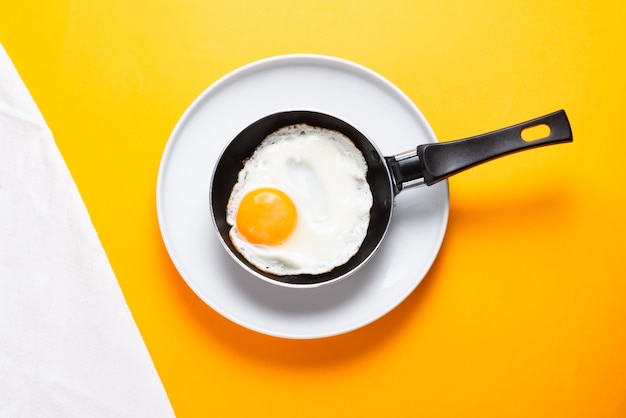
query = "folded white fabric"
{"x": 69, "y": 346}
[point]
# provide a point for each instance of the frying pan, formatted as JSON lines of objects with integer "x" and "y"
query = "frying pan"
{"x": 387, "y": 175}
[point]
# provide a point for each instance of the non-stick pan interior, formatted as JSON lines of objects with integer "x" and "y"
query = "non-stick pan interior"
{"x": 242, "y": 147}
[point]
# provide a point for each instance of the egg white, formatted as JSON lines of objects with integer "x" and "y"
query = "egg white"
{"x": 324, "y": 174}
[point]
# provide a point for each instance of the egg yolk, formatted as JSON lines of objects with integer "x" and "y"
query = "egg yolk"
{"x": 266, "y": 216}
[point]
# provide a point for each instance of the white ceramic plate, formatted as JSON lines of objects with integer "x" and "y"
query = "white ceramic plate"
{"x": 349, "y": 91}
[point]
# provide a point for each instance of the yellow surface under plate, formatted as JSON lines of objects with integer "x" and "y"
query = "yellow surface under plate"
{"x": 523, "y": 313}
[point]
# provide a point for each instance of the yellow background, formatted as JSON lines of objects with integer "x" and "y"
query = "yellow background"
{"x": 524, "y": 311}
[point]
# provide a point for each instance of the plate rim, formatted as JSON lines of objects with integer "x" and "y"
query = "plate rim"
{"x": 264, "y": 63}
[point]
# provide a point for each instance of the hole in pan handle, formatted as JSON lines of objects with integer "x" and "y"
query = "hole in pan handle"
{"x": 441, "y": 160}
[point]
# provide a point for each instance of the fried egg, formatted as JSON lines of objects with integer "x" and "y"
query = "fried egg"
{"x": 301, "y": 202}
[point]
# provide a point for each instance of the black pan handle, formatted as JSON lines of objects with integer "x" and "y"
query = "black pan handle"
{"x": 441, "y": 160}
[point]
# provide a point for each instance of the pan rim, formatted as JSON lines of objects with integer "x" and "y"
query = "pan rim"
{"x": 289, "y": 280}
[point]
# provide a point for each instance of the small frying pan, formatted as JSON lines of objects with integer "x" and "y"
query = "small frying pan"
{"x": 387, "y": 176}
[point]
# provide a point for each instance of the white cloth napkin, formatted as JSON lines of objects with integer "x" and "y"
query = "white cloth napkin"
{"x": 69, "y": 346}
